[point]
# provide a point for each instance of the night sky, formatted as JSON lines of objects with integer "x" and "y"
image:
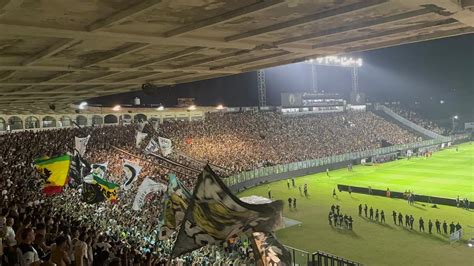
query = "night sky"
{"x": 426, "y": 72}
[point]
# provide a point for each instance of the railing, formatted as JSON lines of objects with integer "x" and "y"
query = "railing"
{"x": 284, "y": 168}
{"x": 319, "y": 258}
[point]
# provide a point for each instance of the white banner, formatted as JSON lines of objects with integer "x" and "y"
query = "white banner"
{"x": 81, "y": 144}
{"x": 131, "y": 172}
{"x": 148, "y": 186}
{"x": 165, "y": 146}
{"x": 139, "y": 138}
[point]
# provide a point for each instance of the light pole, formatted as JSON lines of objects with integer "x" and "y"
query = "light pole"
{"x": 454, "y": 118}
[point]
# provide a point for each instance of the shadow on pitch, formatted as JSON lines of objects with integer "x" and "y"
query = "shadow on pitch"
{"x": 346, "y": 232}
{"x": 377, "y": 223}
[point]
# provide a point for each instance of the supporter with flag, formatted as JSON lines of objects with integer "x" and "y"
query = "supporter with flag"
{"x": 175, "y": 203}
{"x": 54, "y": 171}
{"x": 215, "y": 214}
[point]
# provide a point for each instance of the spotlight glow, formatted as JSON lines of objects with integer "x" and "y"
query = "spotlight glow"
{"x": 192, "y": 107}
{"x": 117, "y": 108}
{"x": 337, "y": 61}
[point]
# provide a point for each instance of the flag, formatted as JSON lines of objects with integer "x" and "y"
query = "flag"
{"x": 91, "y": 193}
{"x": 139, "y": 138}
{"x": 175, "y": 202}
{"x": 77, "y": 169}
{"x": 81, "y": 144}
{"x": 148, "y": 186}
{"x": 141, "y": 125}
{"x": 152, "y": 146}
{"x": 268, "y": 250}
{"x": 215, "y": 214}
{"x": 165, "y": 146}
{"x": 109, "y": 189}
{"x": 98, "y": 170}
{"x": 131, "y": 171}
{"x": 54, "y": 171}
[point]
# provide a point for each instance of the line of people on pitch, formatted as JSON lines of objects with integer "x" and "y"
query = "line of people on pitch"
{"x": 378, "y": 214}
{"x": 336, "y": 218}
{"x": 409, "y": 219}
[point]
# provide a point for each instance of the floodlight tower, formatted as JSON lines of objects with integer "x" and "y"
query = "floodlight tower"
{"x": 262, "y": 88}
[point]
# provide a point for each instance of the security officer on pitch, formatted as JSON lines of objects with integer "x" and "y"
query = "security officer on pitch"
{"x": 394, "y": 215}
{"x": 365, "y": 210}
{"x": 360, "y": 209}
{"x": 438, "y": 226}
{"x": 400, "y": 219}
{"x": 430, "y": 226}
{"x": 371, "y": 213}
{"x": 445, "y": 228}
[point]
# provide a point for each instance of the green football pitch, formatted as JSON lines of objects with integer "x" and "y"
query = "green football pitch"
{"x": 447, "y": 173}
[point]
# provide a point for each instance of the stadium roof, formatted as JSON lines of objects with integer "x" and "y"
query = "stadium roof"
{"x": 62, "y": 51}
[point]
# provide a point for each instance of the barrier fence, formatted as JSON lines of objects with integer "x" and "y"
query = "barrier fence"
{"x": 318, "y": 258}
{"x": 233, "y": 181}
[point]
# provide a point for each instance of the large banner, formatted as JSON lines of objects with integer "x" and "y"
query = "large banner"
{"x": 152, "y": 146}
{"x": 165, "y": 146}
{"x": 175, "y": 203}
{"x": 148, "y": 186}
{"x": 215, "y": 215}
{"x": 81, "y": 144}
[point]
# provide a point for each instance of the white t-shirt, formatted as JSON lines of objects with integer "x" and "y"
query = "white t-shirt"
{"x": 10, "y": 236}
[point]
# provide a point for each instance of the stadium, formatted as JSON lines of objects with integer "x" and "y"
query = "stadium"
{"x": 211, "y": 132}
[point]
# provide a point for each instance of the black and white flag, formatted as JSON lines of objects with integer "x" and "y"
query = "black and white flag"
{"x": 148, "y": 186}
{"x": 152, "y": 146}
{"x": 81, "y": 144}
{"x": 131, "y": 172}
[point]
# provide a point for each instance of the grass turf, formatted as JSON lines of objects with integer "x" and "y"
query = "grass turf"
{"x": 447, "y": 173}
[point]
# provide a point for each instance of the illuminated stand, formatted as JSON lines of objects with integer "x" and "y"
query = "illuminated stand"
{"x": 337, "y": 62}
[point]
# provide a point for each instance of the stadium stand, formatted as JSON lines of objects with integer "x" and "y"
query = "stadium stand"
{"x": 106, "y": 236}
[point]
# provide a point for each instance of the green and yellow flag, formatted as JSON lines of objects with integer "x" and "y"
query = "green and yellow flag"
{"x": 109, "y": 189}
{"x": 54, "y": 171}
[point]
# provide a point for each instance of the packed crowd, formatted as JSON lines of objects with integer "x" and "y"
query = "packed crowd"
{"x": 419, "y": 119}
{"x": 62, "y": 229}
{"x": 243, "y": 141}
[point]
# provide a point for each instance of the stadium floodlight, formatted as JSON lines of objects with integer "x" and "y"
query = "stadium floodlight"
{"x": 336, "y": 61}
{"x": 455, "y": 117}
{"x": 82, "y": 105}
{"x": 441, "y": 102}
{"x": 220, "y": 107}
{"x": 192, "y": 107}
{"x": 117, "y": 108}
{"x": 160, "y": 108}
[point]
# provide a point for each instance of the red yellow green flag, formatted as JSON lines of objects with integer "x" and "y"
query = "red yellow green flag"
{"x": 55, "y": 172}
